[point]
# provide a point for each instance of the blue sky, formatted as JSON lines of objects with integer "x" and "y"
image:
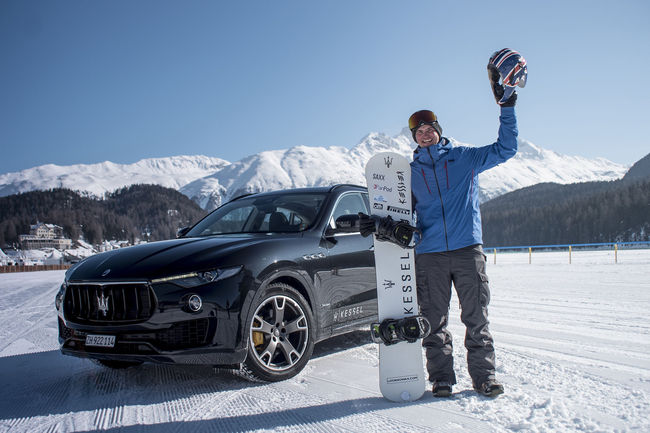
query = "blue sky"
{"x": 122, "y": 80}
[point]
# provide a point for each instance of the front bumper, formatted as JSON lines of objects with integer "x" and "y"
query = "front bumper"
{"x": 188, "y": 342}
{"x": 161, "y": 330}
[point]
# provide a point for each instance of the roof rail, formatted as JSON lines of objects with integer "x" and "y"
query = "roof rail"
{"x": 340, "y": 185}
{"x": 243, "y": 195}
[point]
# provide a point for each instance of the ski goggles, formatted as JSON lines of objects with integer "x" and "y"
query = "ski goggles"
{"x": 422, "y": 117}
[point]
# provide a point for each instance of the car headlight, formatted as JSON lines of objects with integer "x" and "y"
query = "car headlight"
{"x": 193, "y": 279}
{"x": 58, "y": 300}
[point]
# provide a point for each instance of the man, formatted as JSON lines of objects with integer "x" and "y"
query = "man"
{"x": 446, "y": 202}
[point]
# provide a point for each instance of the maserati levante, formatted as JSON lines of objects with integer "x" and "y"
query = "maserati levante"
{"x": 251, "y": 286}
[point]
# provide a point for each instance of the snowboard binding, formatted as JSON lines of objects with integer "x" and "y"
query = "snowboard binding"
{"x": 392, "y": 331}
{"x": 387, "y": 229}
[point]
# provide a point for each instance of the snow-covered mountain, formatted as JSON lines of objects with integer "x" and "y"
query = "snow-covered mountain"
{"x": 532, "y": 165}
{"x": 212, "y": 181}
{"x": 297, "y": 167}
{"x": 97, "y": 179}
{"x": 303, "y": 166}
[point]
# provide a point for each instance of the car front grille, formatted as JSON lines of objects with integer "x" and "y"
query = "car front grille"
{"x": 109, "y": 303}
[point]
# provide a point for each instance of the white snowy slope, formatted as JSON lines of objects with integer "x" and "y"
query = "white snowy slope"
{"x": 97, "y": 179}
{"x": 313, "y": 166}
{"x": 212, "y": 181}
{"x": 297, "y": 167}
{"x": 532, "y": 165}
{"x": 572, "y": 357}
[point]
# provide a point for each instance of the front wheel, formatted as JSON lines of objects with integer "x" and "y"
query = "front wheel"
{"x": 280, "y": 340}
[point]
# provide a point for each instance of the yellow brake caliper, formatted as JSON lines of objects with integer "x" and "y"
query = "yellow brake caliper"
{"x": 258, "y": 338}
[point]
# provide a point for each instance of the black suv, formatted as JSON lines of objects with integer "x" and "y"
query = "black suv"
{"x": 253, "y": 285}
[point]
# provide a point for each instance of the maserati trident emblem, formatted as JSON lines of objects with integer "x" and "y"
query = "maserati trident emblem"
{"x": 102, "y": 303}
{"x": 388, "y": 161}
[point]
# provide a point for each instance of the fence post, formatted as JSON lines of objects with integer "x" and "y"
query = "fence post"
{"x": 615, "y": 253}
{"x": 569, "y": 254}
{"x": 530, "y": 255}
{"x": 495, "y": 256}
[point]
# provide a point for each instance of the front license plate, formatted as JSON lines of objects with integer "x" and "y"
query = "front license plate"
{"x": 100, "y": 340}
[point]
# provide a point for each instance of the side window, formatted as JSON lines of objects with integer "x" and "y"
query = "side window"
{"x": 366, "y": 201}
{"x": 349, "y": 204}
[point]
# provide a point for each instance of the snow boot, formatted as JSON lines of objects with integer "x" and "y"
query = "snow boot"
{"x": 489, "y": 388}
{"x": 441, "y": 389}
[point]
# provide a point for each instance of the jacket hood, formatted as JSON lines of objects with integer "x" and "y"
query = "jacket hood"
{"x": 440, "y": 148}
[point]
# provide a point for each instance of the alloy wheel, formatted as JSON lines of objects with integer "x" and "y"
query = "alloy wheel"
{"x": 279, "y": 333}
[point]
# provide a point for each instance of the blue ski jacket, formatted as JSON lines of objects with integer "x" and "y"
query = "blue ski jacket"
{"x": 444, "y": 183}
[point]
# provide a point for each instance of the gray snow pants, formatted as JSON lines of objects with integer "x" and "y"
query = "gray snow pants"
{"x": 435, "y": 272}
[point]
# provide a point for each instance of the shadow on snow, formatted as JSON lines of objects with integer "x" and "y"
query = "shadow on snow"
{"x": 48, "y": 383}
{"x": 302, "y": 416}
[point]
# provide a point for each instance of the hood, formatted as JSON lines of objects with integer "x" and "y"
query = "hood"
{"x": 164, "y": 258}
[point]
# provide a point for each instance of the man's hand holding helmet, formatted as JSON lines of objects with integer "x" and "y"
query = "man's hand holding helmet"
{"x": 507, "y": 70}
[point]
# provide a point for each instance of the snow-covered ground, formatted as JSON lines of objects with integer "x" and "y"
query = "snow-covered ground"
{"x": 573, "y": 351}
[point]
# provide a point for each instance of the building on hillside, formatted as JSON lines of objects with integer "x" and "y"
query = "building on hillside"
{"x": 112, "y": 245}
{"x": 43, "y": 235}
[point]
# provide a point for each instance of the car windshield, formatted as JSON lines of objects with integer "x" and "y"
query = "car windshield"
{"x": 273, "y": 213}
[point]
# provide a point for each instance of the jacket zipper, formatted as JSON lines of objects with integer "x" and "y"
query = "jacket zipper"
{"x": 442, "y": 205}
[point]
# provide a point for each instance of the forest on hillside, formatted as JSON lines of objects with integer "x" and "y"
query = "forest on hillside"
{"x": 548, "y": 214}
{"x": 147, "y": 212}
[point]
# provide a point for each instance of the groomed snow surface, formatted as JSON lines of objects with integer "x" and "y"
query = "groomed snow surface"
{"x": 573, "y": 352}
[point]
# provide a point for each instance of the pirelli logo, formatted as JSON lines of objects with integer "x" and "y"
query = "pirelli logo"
{"x": 402, "y": 379}
{"x": 399, "y": 210}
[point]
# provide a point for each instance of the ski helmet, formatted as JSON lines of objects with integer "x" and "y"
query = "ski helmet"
{"x": 512, "y": 70}
{"x": 424, "y": 117}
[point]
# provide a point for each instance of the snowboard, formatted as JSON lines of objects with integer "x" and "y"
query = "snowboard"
{"x": 401, "y": 373}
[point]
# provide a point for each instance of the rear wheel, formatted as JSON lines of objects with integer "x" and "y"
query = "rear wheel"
{"x": 280, "y": 340}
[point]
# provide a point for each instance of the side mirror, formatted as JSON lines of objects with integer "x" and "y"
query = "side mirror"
{"x": 347, "y": 223}
{"x": 182, "y": 232}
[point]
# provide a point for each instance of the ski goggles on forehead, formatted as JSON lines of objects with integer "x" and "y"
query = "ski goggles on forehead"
{"x": 422, "y": 117}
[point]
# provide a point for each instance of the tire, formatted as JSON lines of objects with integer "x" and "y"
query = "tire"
{"x": 110, "y": 363}
{"x": 280, "y": 335}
